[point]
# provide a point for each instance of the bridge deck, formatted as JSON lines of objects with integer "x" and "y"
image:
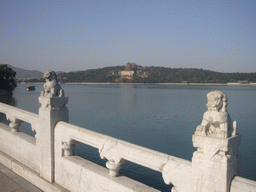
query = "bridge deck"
{"x": 11, "y": 182}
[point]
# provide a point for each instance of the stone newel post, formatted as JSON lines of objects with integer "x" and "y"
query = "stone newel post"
{"x": 53, "y": 109}
{"x": 216, "y": 160}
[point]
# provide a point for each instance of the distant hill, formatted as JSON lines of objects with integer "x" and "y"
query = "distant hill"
{"x": 26, "y": 74}
{"x": 139, "y": 74}
{"x": 156, "y": 75}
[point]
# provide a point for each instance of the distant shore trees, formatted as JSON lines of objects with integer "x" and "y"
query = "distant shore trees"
{"x": 7, "y": 80}
{"x": 152, "y": 75}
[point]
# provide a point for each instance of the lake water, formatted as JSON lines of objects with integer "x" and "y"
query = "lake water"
{"x": 159, "y": 117}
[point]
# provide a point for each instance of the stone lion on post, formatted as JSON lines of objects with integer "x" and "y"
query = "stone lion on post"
{"x": 51, "y": 86}
{"x": 216, "y": 120}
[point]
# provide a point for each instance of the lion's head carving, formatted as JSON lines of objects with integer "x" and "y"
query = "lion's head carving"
{"x": 51, "y": 86}
{"x": 216, "y": 120}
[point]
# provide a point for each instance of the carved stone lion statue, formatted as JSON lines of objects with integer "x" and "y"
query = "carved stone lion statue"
{"x": 216, "y": 120}
{"x": 51, "y": 86}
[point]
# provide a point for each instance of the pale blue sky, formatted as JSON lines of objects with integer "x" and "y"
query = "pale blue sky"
{"x": 218, "y": 35}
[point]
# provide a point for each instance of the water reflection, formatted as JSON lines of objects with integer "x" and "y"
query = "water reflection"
{"x": 126, "y": 98}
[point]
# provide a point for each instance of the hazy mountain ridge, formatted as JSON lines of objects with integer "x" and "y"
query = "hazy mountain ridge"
{"x": 26, "y": 74}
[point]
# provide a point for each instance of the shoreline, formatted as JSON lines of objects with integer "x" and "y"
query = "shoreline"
{"x": 207, "y": 84}
{"x": 193, "y": 84}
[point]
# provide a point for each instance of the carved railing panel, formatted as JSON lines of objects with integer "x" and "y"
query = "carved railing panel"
{"x": 118, "y": 152}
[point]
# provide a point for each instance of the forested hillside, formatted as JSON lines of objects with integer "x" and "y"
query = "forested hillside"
{"x": 156, "y": 75}
{"x": 192, "y": 75}
{"x": 106, "y": 74}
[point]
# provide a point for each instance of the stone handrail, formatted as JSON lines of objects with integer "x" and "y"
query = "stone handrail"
{"x": 113, "y": 149}
{"x": 118, "y": 152}
{"x": 17, "y": 144}
{"x": 17, "y": 116}
{"x": 240, "y": 184}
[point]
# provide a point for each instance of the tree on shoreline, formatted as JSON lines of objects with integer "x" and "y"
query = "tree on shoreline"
{"x": 7, "y": 79}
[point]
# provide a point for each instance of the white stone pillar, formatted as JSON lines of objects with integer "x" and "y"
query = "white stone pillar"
{"x": 216, "y": 161}
{"x": 53, "y": 109}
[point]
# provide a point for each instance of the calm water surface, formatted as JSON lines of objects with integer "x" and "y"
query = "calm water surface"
{"x": 159, "y": 117}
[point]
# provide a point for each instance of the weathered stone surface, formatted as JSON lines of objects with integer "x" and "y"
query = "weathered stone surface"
{"x": 51, "y": 86}
{"x": 216, "y": 160}
{"x": 240, "y": 184}
{"x": 216, "y": 120}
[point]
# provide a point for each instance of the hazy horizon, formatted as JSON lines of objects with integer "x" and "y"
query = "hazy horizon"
{"x": 69, "y": 36}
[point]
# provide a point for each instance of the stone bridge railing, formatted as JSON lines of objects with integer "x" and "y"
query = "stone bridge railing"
{"x": 117, "y": 152}
{"x": 17, "y": 144}
{"x": 47, "y": 159}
